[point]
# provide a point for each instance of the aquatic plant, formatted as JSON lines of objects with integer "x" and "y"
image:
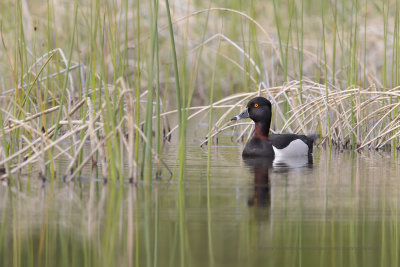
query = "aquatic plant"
{"x": 98, "y": 83}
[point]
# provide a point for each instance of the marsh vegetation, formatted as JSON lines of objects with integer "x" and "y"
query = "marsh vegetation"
{"x": 109, "y": 83}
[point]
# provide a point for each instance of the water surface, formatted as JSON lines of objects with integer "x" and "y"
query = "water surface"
{"x": 339, "y": 208}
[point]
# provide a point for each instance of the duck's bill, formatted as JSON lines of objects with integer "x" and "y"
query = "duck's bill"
{"x": 241, "y": 116}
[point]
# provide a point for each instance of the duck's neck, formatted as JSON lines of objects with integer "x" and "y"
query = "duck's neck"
{"x": 261, "y": 129}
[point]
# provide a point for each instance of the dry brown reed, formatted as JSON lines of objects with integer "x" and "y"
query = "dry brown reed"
{"x": 360, "y": 118}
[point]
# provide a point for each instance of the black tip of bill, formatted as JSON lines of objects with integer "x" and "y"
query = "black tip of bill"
{"x": 243, "y": 115}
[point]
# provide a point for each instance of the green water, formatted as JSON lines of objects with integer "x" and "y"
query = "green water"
{"x": 341, "y": 209}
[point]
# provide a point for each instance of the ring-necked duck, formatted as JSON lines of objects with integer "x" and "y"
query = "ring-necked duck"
{"x": 262, "y": 144}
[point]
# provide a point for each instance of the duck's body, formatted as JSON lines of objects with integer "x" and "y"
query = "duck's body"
{"x": 262, "y": 144}
{"x": 279, "y": 145}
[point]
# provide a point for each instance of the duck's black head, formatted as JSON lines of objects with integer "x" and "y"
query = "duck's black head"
{"x": 259, "y": 109}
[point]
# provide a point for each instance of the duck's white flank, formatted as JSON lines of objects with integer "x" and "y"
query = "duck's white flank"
{"x": 294, "y": 149}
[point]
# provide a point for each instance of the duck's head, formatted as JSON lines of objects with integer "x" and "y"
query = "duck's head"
{"x": 258, "y": 109}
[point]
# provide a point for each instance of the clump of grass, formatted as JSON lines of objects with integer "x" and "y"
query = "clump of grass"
{"x": 369, "y": 121}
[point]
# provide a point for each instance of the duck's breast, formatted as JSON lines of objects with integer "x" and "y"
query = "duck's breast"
{"x": 258, "y": 148}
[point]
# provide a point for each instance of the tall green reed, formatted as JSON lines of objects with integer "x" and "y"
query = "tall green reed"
{"x": 148, "y": 126}
{"x": 395, "y": 64}
{"x": 179, "y": 100}
{"x": 325, "y": 69}
{"x": 209, "y": 155}
{"x": 65, "y": 83}
{"x": 158, "y": 136}
{"x": 138, "y": 78}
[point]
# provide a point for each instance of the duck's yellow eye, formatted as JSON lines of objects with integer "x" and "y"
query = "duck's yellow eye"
{"x": 256, "y": 105}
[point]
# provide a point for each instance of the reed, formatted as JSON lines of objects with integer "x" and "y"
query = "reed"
{"x": 101, "y": 83}
{"x": 179, "y": 98}
{"x": 375, "y": 122}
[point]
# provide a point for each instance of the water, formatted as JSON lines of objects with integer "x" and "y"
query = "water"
{"x": 336, "y": 209}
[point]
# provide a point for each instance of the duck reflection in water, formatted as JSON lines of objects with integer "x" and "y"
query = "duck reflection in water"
{"x": 261, "y": 166}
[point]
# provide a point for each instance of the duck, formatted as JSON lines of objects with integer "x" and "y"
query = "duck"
{"x": 263, "y": 144}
